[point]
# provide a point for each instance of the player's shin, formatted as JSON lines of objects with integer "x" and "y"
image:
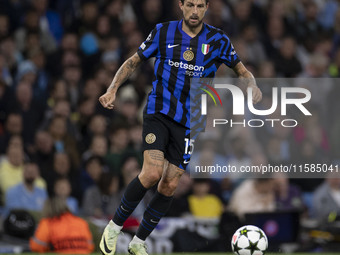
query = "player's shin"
{"x": 133, "y": 194}
{"x": 157, "y": 208}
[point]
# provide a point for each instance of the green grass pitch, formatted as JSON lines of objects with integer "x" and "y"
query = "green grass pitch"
{"x": 194, "y": 253}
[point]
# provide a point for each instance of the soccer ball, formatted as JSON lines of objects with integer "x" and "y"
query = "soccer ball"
{"x": 249, "y": 240}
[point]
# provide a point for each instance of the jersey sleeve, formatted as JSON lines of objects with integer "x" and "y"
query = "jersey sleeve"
{"x": 149, "y": 47}
{"x": 228, "y": 54}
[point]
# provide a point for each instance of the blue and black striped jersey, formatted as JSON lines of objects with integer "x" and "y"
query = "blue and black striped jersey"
{"x": 179, "y": 58}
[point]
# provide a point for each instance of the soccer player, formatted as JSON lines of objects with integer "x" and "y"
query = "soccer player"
{"x": 183, "y": 50}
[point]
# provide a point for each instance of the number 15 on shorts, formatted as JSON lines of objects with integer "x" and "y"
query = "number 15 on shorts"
{"x": 189, "y": 145}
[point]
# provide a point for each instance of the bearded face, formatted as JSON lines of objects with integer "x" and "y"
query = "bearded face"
{"x": 193, "y": 12}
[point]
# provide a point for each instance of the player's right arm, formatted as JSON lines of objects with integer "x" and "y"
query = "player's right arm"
{"x": 148, "y": 49}
{"x": 123, "y": 73}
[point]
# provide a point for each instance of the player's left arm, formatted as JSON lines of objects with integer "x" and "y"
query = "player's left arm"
{"x": 243, "y": 72}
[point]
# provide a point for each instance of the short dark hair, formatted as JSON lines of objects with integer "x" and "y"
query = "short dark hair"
{"x": 206, "y": 1}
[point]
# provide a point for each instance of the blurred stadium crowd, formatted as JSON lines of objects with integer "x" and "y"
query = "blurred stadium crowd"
{"x": 57, "y": 57}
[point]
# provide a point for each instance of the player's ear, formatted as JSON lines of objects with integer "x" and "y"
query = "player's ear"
{"x": 181, "y": 4}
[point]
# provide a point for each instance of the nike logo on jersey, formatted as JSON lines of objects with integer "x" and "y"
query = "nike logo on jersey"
{"x": 153, "y": 221}
{"x": 185, "y": 162}
{"x": 172, "y": 46}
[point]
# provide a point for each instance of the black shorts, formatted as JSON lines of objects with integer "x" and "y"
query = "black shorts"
{"x": 163, "y": 133}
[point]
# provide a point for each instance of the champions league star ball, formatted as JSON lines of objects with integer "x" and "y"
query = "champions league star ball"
{"x": 249, "y": 240}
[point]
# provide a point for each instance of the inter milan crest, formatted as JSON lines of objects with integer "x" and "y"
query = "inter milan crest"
{"x": 205, "y": 48}
{"x": 150, "y": 138}
{"x": 188, "y": 55}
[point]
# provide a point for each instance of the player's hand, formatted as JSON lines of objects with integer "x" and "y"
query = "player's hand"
{"x": 107, "y": 99}
{"x": 257, "y": 94}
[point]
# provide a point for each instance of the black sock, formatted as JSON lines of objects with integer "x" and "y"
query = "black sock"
{"x": 158, "y": 206}
{"x": 133, "y": 194}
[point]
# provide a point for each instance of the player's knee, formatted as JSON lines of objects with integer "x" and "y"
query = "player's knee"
{"x": 172, "y": 187}
{"x": 154, "y": 176}
{"x": 167, "y": 188}
{"x": 150, "y": 175}
{"x": 148, "y": 180}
